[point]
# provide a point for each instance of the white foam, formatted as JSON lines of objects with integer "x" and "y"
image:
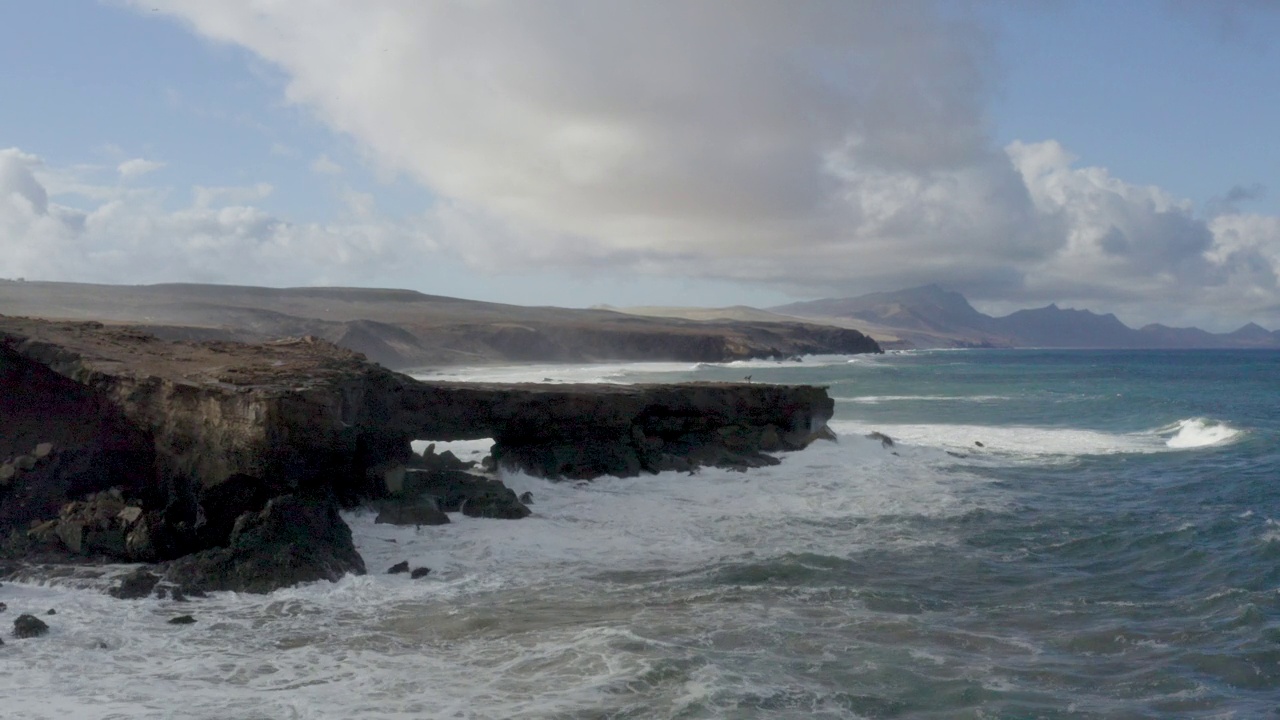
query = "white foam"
{"x": 527, "y": 618}
{"x": 463, "y": 449}
{"x": 1199, "y": 432}
{"x": 1040, "y": 443}
{"x": 878, "y": 399}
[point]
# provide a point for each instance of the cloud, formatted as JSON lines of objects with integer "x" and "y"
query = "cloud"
{"x": 821, "y": 147}
{"x": 137, "y": 167}
{"x": 325, "y": 166}
{"x": 1229, "y": 203}
{"x": 222, "y": 236}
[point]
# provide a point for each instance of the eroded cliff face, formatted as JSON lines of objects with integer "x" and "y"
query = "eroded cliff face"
{"x": 178, "y": 440}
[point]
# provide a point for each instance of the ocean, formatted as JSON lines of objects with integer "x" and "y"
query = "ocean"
{"x": 1052, "y": 534}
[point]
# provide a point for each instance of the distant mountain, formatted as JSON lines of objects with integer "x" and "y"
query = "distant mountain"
{"x": 930, "y": 316}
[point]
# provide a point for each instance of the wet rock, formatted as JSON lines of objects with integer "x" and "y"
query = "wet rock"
{"x": 52, "y": 612}
{"x": 182, "y": 620}
{"x": 885, "y": 440}
{"x": 472, "y": 495}
{"x": 3, "y": 607}
{"x": 293, "y": 539}
{"x": 421, "y": 511}
{"x": 526, "y": 497}
{"x": 224, "y": 503}
{"x": 29, "y": 626}
{"x": 446, "y": 460}
{"x": 137, "y": 584}
{"x": 162, "y": 593}
{"x": 978, "y": 443}
{"x": 419, "y": 573}
{"x": 400, "y": 567}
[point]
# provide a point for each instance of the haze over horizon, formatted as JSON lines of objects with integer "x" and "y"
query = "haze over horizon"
{"x": 1115, "y": 158}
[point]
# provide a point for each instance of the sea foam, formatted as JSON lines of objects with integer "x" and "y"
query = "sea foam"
{"x": 1198, "y": 432}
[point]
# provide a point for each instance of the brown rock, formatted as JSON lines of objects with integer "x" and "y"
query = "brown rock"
{"x": 71, "y": 533}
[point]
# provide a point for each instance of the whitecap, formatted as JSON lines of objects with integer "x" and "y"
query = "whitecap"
{"x": 1198, "y": 432}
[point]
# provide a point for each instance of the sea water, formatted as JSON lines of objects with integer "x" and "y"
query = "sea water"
{"x": 1051, "y": 535}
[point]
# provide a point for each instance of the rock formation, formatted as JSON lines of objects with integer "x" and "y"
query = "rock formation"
{"x": 146, "y": 450}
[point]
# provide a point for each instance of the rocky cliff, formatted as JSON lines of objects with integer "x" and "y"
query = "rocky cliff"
{"x": 117, "y": 443}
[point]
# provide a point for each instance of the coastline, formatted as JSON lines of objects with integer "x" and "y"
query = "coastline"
{"x": 208, "y": 457}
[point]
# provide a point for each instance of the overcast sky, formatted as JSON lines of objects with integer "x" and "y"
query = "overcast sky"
{"x": 1121, "y": 157}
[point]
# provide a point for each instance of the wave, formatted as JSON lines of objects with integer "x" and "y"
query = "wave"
{"x": 877, "y": 399}
{"x": 1198, "y": 432}
{"x": 1040, "y": 442}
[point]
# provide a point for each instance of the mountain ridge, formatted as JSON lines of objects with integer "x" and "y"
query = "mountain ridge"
{"x": 930, "y": 316}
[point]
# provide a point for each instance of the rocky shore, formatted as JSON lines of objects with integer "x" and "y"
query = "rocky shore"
{"x": 226, "y": 464}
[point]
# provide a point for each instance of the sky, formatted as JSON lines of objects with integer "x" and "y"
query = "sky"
{"x": 1119, "y": 157}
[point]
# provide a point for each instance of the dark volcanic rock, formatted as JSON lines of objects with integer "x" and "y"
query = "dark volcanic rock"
{"x": 294, "y": 539}
{"x": 419, "y": 573}
{"x": 472, "y": 495}
{"x": 526, "y": 497}
{"x": 400, "y": 567}
{"x": 182, "y": 620}
{"x": 419, "y": 511}
{"x": 137, "y": 584}
{"x": 28, "y": 626}
{"x": 223, "y": 503}
{"x": 885, "y": 440}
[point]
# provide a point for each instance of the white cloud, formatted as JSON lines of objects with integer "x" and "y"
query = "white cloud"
{"x": 323, "y": 165}
{"x": 137, "y": 167}
{"x": 823, "y": 147}
{"x": 206, "y": 196}
{"x": 129, "y": 236}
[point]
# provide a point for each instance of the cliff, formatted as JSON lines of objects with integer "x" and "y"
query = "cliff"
{"x": 180, "y": 439}
{"x": 405, "y": 329}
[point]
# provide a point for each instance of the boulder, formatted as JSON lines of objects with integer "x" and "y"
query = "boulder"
{"x": 420, "y": 511}
{"x": 400, "y": 567}
{"x": 29, "y": 626}
{"x": 136, "y": 585}
{"x": 101, "y": 524}
{"x": 293, "y": 539}
{"x": 526, "y": 497}
{"x": 472, "y": 495}
{"x": 419, "y": 573}
{"x": 182, "y": 620}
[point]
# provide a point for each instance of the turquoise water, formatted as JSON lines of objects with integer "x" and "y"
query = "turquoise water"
{"x": 1101, "y": 573}
{"x": 1052, "y": 535}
